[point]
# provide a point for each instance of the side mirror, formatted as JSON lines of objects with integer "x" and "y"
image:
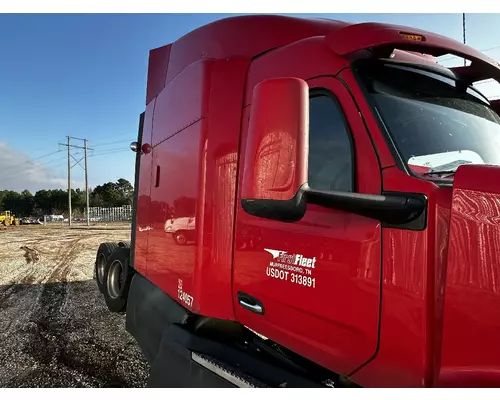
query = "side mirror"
{"x": 275, "y": 170}
{"x": 276, "y": 150}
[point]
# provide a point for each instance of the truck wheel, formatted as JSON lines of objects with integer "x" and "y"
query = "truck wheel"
{"x": 180, "y": 238}
{"x": 103, "y": 253}
{"x": 118, "y": 275}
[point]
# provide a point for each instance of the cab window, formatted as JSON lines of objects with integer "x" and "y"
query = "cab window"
{"x": 330, "y": 147}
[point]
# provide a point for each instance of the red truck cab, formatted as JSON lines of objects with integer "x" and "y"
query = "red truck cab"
{"x": 344, "y": 188}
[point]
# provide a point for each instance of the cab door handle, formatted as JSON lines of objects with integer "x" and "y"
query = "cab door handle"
{"x": 250, "y": 303}
{"x": 158, "y": 171}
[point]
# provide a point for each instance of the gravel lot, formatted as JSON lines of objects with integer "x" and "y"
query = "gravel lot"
{"x": 55, "y": 329}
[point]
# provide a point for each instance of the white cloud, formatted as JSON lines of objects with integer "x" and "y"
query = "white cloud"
{"x": 18, "y": 172}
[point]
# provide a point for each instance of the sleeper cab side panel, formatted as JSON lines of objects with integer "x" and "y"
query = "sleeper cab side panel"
{"x": 143, "y": 196}
{"x": 218, "y": 189}
{"x": 196, "y": 152}
{"x": 174, "y": 203}
{"x": 183, "y": 101}
{"x": 178, "y": 130}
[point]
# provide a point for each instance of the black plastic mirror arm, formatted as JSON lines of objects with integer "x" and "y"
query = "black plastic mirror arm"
{"x": 405, "y": 210}
{"x": 292, "y": 210}
{"x": 389, "y": 208}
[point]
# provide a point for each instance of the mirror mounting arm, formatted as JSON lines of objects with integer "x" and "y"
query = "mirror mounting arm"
{"x": 403, "y": 210}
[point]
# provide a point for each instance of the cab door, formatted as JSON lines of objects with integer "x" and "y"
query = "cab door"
{"x": 313, "y": 286}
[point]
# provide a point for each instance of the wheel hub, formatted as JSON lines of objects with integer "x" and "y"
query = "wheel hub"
{"x": 115, "y": 279}
{"x": 101, "y": 265}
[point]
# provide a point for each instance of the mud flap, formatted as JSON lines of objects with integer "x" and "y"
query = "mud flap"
{"x": 149, "y": 312}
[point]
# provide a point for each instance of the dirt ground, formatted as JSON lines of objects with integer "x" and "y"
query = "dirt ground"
{"x": 55, "y": 329}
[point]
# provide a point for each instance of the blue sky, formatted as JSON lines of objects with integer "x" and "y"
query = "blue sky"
{"x": 85, "y": 76}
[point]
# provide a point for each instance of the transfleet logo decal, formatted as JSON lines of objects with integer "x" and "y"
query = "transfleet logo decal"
{"x": 294, "y": 268}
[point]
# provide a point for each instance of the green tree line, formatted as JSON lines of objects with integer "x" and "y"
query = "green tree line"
{"x": 55, "y": 201}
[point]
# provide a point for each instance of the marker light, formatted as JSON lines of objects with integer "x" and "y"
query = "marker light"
{"x": 412, "y": 37}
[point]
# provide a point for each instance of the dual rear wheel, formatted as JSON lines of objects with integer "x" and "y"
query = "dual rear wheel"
{"x": 113, "y": 274}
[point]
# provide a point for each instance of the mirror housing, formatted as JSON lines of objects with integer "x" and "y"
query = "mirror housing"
{"x": 275, "y": 170}
{"x": 278, "y": 139}
{"x": 276, "y": 148}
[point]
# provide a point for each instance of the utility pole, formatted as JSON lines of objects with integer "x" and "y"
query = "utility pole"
{"x": 463, "y": 28}
{"x": 86, "y": 182}
{"x": 70, "y": 156}
{"x": 69, "y": 181}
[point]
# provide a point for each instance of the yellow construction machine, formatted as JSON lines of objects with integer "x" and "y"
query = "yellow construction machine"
{"x": 7, "y": 219}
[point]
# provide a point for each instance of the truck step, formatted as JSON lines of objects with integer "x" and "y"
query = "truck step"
{"x": 227, "y": 372}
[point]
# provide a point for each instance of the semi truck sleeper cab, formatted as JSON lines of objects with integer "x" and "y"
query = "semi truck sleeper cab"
{"x": 337, "y": 193}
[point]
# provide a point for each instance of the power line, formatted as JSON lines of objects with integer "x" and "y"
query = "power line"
{"x": 31, "y": 170}
{"x": 110, "y": 152}
{"x": 31, "y": 167}
{"x": 46, "y": 155}
{"x": 31, "y": 160}
{"x": 463, "y": 23}
{"x": 482, "y": 51}
{"x": 108, "y": 143}
{"x": 113, "y": 149}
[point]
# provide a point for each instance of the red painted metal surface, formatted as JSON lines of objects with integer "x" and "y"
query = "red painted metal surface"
{"x": 283, "y": 62}
{"x": 332, "y": 319}
{"x": 382, "y": 150}
{"x": 229, "y": 38}
{"x": 175, "y": 197}
{"x": 178, "y": 130}
{"x": 195, "y": 160}
{"x": 414, "y": 267}
{"x": 217, "y": 189}
{"x": 144, "y": 195}
{"x": 157, "y": 71}
{"x": 471, "y": 355}
{"x": 363, "y": 36}
{"x": 277, "y": 140}
{"x": 437, "y": 304}
{"x": 183, "y": 102}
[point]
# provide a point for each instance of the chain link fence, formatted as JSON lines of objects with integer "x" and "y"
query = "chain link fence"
{"x": 110, "y": 214}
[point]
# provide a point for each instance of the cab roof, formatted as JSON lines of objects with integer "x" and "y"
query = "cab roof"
{"x": 249, "y": 36}
{"x": 240, "y": 36}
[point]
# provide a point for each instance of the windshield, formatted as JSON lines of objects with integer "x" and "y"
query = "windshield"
{"x": 436, "y": 123}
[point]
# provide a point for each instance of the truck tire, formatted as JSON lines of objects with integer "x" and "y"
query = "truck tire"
{"x": 103, "y": 253}
{"x": 117, "y": 278}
